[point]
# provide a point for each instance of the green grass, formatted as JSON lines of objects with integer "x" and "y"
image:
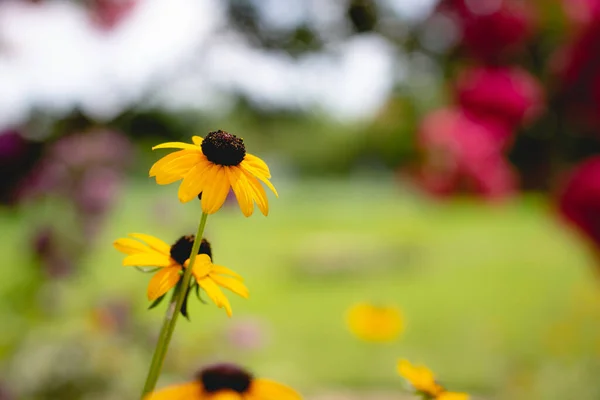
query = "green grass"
{"x": 481, "y": 286}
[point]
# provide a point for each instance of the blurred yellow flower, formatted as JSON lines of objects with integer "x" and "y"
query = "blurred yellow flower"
{"x": 149, "y": 251}
{"x": 226, "y": 382}
{"x": 423, "y": 381}
{"x": 210, "y": 167}
{"x": 452, "y": 396}
{"x": 375, "y": 323}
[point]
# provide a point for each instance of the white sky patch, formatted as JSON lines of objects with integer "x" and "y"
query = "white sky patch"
{"x": 413, "y": 9}
{"x": 351, "y": 83}
{"x": 54, "y": 59}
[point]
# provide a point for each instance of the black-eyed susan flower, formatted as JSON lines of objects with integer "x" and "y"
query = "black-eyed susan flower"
{"x": 149, "y": 251}
{"x": 452, "y": 396}
{"x": 226, "y": 382}
{"x": 210, "y": 167}
{"x": 375, "y": 323}
{"x": 423, "y": 381}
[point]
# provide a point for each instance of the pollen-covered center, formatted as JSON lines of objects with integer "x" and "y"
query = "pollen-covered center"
{"x": 225, "y": 377}
{"x": 223, "y": 148}
{"x": 182, "y": 249}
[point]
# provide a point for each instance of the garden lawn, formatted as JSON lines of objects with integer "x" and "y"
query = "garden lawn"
{"x": 483, "y": 287}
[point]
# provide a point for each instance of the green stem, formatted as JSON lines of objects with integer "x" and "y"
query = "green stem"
{"x": 172, "y": 313}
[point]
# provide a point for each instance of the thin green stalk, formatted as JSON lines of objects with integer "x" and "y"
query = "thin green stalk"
{"x": 172, "y": 313}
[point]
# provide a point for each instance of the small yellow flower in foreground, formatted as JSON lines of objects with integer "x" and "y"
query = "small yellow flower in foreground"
{"x": 149, "y": 251}
{"x": 210, "y": 167}
{"x": 375, "y": 323}
{"x": 226, "y": 382}
{"x": 452, "y": 396}
{"x": 423, "y": 381}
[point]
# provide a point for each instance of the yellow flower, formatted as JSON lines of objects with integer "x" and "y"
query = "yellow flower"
{"x": 423, "y": 381}
{"x": 226, "y": 382}
{"x": 149, "y": 251}
{"x": 210, "y": 167}
{"x": 452, "y": 396}
{"x": 375, "y": 323}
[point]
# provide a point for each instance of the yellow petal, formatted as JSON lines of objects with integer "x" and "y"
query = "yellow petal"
{"x": 260, "y": 175}
{"x": 258, "y": 164}
{"x": 167, "y": 179}
{"x": 176, "y": 168}
{"x": 186, "y": 391}
{"x": 152, "y": 259}
{"x": 405, "y": 368}
{"x": 194, "y": 181}
{"x": 215, "y": 191}
{"x": 130, "y": 246}
{"x": 219, "y": 269}
{"x": 452, "y": 396}
{"x": 375, "y": 323}
{"x": 240, "y": 187}
{"x": 420, "y": 377}
{"x": 264, "y": 389}
{"x": 225, "y": 395}
{"x": 158, "y": 166}
{"x": 176, "y": 145}
{"x": 216, "y": 295}
{"x": 258, "y": 193}
{"x": 163, "y": 281}
{"x": 232, "y": 284}
{"x": 197, "y": 140}
{"x": 153, "y": 242}
{"x": 181, "y": 165}
{"x": 202, "y": 266}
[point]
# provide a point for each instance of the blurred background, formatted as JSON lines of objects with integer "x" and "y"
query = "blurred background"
{"x": 442, "y": 157}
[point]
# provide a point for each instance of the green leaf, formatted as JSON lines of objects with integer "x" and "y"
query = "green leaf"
{"x": 156, "y": 302}
{"x": 184, "y": 305}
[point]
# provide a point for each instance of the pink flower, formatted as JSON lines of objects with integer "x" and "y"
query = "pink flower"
{"x": 579, "y": 201}
{"x": 491, "y": 28}
{"x": 508, "y": 95}
{"x": 582, "y": 12}
{"x": 463, "y": 153}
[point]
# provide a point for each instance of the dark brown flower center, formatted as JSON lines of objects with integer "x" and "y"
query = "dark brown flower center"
{"x": 182, "y": 249}
{"x": 225, "y": 377}
{"x": 223, "y": 148}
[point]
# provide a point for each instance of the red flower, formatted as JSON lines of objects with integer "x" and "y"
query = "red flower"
{"x": 509, "y": 96}
{"x": 463, "y": 153}
{"x": 491, "y": 28}
{"x": 579, "y": 201}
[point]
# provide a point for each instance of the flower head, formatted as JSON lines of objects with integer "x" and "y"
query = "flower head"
{"x": 509, "y": 96}
{"x": 464, "y": 153}
{"x": 579, "y": 201}
{"x": 423, "y": 381}
{"x": 491, "y": 29}
{"x": 452, "y": 396}
{"x": 210, "y": 167}
{"x": 375, "y": 323}
{"x": 148, "y": 251}
{"x": 226, "y": 382}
